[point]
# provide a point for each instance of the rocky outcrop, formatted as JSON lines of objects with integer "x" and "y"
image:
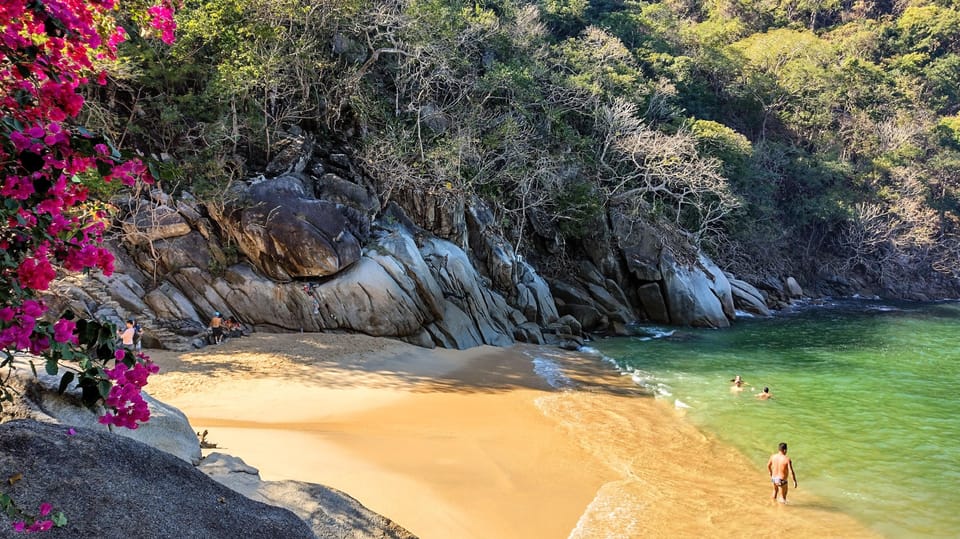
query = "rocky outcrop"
{"x": 43, "y": 419}
{"x": 473, "y": 313}
{"x": 314, "y": 249}
{"x": 691, "y": 297}
{"x": 793, "y": 287}
{"x": 168, "y": 429}
{"x": 113, "y": 487}
{"x": 747, "y": 298}
{"x": 650, "y": 282}
{"x": 329, "y": 512}
{"x": 287, "y": 234}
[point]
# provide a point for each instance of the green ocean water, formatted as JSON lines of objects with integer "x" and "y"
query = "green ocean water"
{"x": 866, "y": 394}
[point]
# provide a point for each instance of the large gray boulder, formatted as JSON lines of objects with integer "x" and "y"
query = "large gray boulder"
{"x": 747, "y": 298}
{"x": 289, "y": 234}
{"x": 691, "y": 300}
{"x": 368, "y": 298}
{"x": 793, "y": 287}
{"x": 111, "y": 487}
{"x": 168, "y": 429}
{"x": 720, "y": 285}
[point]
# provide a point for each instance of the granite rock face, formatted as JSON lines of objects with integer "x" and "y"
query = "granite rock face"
{"x": 287, "y": 233}
{"x": 314, "y": 248}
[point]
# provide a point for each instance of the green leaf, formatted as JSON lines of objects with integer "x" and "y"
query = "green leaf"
{"x": 104, "y": 387}
{"x": 52, "y": 367}
{"x": 65, "y": 381}
{"x": 59, "y": 519}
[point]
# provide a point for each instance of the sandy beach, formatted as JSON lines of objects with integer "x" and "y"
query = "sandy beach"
{"x": 477, "y": 443}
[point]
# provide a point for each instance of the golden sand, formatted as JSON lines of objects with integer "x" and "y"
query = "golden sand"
{"x": 473, "y": 444}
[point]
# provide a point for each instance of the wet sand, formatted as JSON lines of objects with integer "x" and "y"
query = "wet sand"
{"x": 476, "y": 444}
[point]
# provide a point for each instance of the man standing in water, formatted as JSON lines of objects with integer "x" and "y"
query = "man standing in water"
{"x": 778, "y": 465}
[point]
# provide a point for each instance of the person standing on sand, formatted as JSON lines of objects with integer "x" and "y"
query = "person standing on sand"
{"x": 126, "y": 335}
{"x": 216, "y": 328}
{"x": 778, "y": 465}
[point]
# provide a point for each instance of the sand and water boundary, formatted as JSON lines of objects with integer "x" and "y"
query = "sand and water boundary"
{"x": 521, "y": 442}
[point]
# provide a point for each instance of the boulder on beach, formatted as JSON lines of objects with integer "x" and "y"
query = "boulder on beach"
{"x": 112, "y": 487}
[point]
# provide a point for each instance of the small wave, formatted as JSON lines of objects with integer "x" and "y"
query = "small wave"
{"x": 680, "y": 405}
{"x": 650, "y": 333}
{"x": 594, "y": 352}
{"x": 551, "y": 373}
{"x": 883, "y": 308}
{"x": 744, "y": 314}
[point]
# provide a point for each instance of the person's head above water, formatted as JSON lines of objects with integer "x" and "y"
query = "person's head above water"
{"x": 783, "y": 447}
{"x": 766, "y": 390}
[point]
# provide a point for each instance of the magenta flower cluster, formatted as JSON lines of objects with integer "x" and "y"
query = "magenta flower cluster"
{"x": 125, "y": 397}
{"x": 38, "y": 525}
{"x": 48, "y": 50}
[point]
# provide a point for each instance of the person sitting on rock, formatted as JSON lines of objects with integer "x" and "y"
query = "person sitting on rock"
{"x": 232, "y": 327}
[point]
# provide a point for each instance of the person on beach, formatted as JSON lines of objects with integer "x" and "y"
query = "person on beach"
{"x": 216, "y": 328}
{"x": 765, "y": 394}
{"x": 126, "y": 335}
{"x": 137, "y": 336}
{"x": 778, "y": 466}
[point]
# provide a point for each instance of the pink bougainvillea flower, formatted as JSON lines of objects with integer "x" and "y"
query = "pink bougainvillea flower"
{"x": 71, "y": 431}
{"x": 63, "y": 331}
{"x": 45, "y": 509}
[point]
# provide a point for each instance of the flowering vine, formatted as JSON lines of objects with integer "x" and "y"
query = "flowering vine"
{"x": 48, "y": 50}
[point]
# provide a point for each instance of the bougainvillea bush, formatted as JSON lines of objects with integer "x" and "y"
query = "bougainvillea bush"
{"x": 48, "y": 50}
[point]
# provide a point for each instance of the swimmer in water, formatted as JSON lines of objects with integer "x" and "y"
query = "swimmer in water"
{"x": 738, "y": 384}
{"x": 765, "y": 394}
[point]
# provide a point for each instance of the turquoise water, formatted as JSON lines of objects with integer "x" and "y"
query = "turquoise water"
{"x": 866, "y": 394}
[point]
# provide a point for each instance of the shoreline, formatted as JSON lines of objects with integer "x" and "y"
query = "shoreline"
{"x": 476, "y": 443}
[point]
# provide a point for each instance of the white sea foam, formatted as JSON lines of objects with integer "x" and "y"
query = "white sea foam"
{"x": 551, "y": 372}
{"x": 744, "y": 314}
{"x": 652, "y": 332}
{"x": 679, "y": 404}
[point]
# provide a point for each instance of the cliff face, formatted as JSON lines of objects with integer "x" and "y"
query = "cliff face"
{"x": 314, "y": 247}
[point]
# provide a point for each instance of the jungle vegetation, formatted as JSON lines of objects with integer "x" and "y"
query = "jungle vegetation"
{"x": 778, "y": 135}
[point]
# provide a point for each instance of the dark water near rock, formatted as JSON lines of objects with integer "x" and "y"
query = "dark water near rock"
{"x": 867, "y": 394}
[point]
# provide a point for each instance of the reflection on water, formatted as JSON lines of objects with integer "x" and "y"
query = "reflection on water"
{"x": 864, "y": 393}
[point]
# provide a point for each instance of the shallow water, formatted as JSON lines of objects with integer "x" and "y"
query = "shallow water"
{"x": 865, "y": 394}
